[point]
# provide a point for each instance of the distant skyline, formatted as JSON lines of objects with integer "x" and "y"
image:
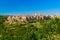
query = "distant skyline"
{"x": 21, "y": 7}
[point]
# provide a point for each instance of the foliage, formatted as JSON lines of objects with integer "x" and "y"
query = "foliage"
{"x": 46, "y": 29}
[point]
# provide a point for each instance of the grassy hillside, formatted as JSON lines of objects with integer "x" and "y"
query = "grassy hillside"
{"x": 32, "y": 30}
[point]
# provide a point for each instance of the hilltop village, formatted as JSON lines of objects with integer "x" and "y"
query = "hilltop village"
{"x": 28, "y": 17}
{"x": 33, "y": 27}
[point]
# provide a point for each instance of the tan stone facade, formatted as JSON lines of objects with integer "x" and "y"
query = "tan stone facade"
{"x": 25, "y": 18}
{"x": 9, "y": 19}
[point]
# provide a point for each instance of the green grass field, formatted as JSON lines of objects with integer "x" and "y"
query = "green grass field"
{"x": 32, "y": 30}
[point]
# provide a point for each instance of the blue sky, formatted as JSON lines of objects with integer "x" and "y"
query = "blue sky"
{"x": 16, "y": 7}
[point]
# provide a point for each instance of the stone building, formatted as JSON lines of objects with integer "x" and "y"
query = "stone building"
{"x": 53, "y": 16}
{"x": 39, "y": 16}
{"x": 17, "y": 18}
{"x": 25, "y": 18}
{"x": 9, "y": 19}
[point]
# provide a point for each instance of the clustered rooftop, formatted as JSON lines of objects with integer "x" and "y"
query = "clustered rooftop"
{"x": 27, "y": 18}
